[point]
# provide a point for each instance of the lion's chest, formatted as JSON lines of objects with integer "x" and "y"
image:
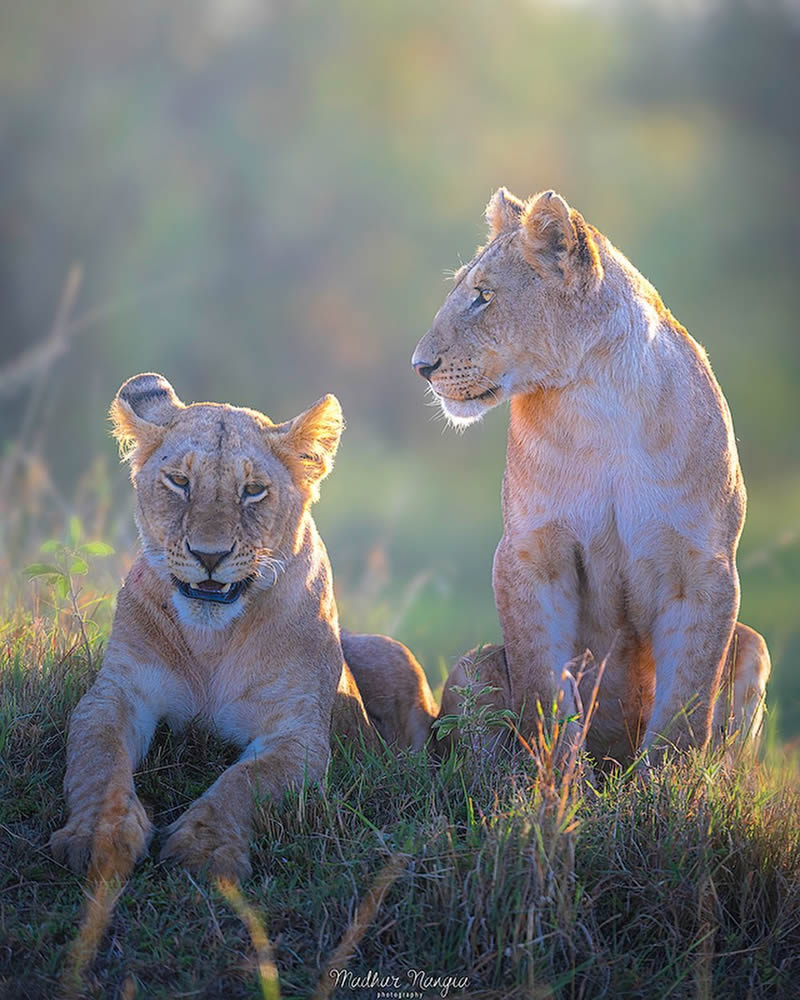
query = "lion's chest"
{"x": 244, "y": 700}
{"x": 601, "y": 510}
{"x": 238, "y": 697}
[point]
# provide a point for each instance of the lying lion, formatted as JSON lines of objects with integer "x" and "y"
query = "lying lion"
{"x": 623, "y": 500}
{"x": 228, "y": 617}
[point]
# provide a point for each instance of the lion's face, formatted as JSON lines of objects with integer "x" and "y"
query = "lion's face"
{"x": 221, "y": 492}
{"x": 511, "y": 323}
{"x": 213, "y": 506}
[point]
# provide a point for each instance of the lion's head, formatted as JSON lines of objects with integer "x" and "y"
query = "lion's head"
{"x": 522, "y": 313}
{"x": 221, "y": 491}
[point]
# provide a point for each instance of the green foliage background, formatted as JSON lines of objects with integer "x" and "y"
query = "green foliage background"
{"x": 264, "y": 198}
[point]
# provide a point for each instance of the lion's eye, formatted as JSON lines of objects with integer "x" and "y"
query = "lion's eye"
{"x": 254, "y": 491}
{"x": 483, "y": 296}
{"x": 176, "y": 480}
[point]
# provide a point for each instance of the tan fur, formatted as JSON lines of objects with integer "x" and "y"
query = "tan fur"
{"x": 623, "y": 501}
{"x": 738, "y": 711}
{"x": 742, "y": 709}
{"x": 394, "y": 688}
{"x": 266, "y": 671}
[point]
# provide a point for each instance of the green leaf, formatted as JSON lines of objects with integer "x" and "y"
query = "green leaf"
{"x": 446, "y": 725}
{"x": 75, "y": 530}
{"x": 79, "y": 566}
{"x": 41, "y": 569}
{"x": 52, "y": 545}
{"x": 62, "y": 586}
{"x": 97, "y": 549}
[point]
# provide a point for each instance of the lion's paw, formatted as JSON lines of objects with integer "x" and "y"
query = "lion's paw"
{"x": 72, "y": 844}
{"x": 113, "y": 842}
{"x": 203, "y": 838}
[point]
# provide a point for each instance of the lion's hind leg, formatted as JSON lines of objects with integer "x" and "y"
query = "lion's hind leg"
{"x": 739, "y": 707}
{"x": 350, "y": 719}
{"x": 396, "y": 694}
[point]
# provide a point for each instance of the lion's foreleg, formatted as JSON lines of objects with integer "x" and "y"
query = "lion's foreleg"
{"x": 537, "y": 599}
{"x": 108, "y": 735}
{"x": 691, "y": 638}
{"x": 214, "y": 833}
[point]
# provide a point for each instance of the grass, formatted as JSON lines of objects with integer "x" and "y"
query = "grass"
{"x": 521, "y": 881}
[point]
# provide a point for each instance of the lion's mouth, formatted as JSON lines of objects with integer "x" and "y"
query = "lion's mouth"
{"x": 487, "y": 394}
{"x": 212, "y": 590}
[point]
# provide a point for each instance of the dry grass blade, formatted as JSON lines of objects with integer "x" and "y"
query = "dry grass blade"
{"x": 707, "y": 925}
{"x": 365, "y": 914}
{"x": 267, "y": 970}
{"x": 101, "y": 898}
{"x": 39, "y": 358}
{"x": 34, "y": 367}
{"x": 109, "y": 868}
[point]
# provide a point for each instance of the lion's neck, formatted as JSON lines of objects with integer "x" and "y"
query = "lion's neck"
{"x": 633, "y": 373}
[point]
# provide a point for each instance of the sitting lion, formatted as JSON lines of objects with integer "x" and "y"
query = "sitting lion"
{"x": 623, "y": 500}
{"x": 228, "y": 617}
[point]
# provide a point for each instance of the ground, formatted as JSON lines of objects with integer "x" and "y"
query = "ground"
{"x": 522, "y": 881}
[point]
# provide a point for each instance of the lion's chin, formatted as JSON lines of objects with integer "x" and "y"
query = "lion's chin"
{"x": 463, "y": 412}
{"x": 205, "y": 614}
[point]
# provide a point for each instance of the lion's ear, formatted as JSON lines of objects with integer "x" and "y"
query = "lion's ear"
{"x": 140, "y": 413}
{"x": 503, "y": 212}
{"x": 309, "y": 443}
{"x": 557, "y": 241}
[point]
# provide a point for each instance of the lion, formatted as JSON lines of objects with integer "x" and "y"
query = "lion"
{"x": 623, "y": 500}
{"x": 228, "y": 618}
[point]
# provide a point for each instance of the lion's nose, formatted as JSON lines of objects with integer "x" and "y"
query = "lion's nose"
{"x": 426, "y": 369}
{"x": 209, "y": 559}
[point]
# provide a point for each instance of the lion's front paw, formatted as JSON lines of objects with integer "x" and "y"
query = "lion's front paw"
{"x": 72, "y": 844}
{"x": 205, "y": 838}
{"x": 113, "y": 841}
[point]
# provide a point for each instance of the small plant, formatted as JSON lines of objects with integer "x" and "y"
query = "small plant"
{"x": 69, "y": 561}
{"x": 479, "y": 716}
